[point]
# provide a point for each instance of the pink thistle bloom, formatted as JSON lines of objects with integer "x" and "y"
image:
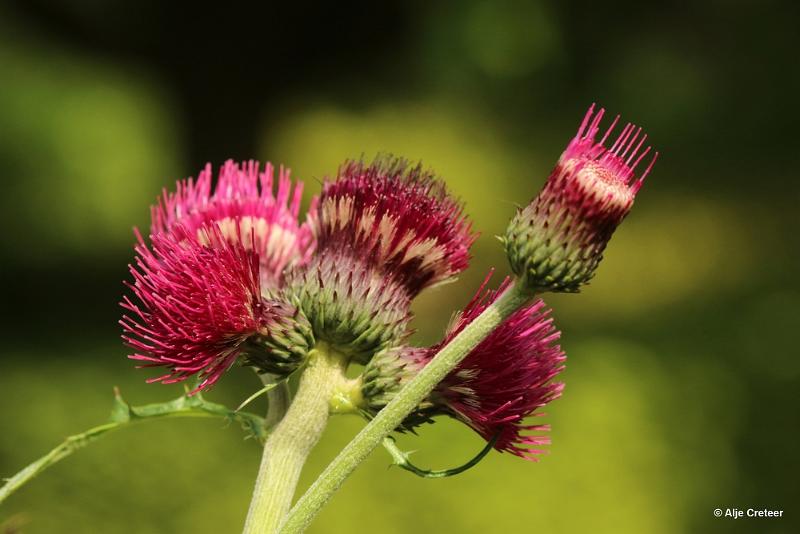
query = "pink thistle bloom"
{"x": 399, "y": 218}
{"x": 505, "y": 379}
{"x": 384, "y": 232}
{"x": 557, "y": 241}
{"x": 247, "y": 209}
{"x": 197, "y": 305}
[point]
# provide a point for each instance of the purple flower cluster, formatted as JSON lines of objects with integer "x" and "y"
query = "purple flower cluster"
{"x": 229, "y": 273}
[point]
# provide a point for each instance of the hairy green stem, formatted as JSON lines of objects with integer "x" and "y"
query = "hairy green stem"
{"x": 404, "y": 402}
{"x": 123, "y": 415}
{"x": 292, "y": 439}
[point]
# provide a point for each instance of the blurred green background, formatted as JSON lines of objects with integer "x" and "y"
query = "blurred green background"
{"x": 683, "y": 369}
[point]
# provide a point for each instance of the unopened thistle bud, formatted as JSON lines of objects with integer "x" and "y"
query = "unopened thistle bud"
{"x": 200, "y": 306}
{"x": 384, "y": 232}
{"x": 505, "y": 379}
{"x": 557, "y": 241}
{"x": 247, "y": 208}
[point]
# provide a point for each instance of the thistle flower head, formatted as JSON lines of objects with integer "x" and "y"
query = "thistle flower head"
{"x": 557, "y": 241}
{"x": 384, "y": 232}
{"x": 350, "y": 303}
{"x": 248, "y": 209}
{"x": 197, "y": 306}
{"x": 503, "y": 380}
{"x": 397, "y": 217}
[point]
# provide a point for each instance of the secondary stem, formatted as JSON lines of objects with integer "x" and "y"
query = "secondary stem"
{"x": 404, "y": 402}
{"x": 292, "y": 439}
{"x": 278, "y": 399}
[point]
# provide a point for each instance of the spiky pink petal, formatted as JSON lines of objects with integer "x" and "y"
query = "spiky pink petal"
{"x": 507, "y": 377}
{"x": 248, "y": 208}
{"x": 196, "y": 305}
{"x": 399, "y": 218}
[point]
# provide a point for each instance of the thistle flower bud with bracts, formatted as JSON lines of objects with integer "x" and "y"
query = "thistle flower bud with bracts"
{"x": 248, "y": 209}
{"x": 198, "y": 305}
{"x": 502, "y": 381}
{"x": 386, "y": 373}
{"x": 557, "y": 241}
{"x": 285, "y": 343}
{"x": 384, "y": 232}
{"x": 399, "y": 218}
{"x": 350, "y": 304}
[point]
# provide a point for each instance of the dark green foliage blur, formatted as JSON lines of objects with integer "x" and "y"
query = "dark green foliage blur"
{"x": 683, "y": 368}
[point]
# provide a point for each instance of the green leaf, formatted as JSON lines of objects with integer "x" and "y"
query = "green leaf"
{"x": 120, "y": 410}
{"x": 122, "y": 415}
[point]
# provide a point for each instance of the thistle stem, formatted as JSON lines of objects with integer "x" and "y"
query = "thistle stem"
{"x": 278, "y": 399}
{"x": 292, "y": 439}
{"x": 403, "y": 403}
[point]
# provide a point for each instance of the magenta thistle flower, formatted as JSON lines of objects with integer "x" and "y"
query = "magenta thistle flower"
{"x": 557, "y": 241}
{"x": 198, "y": 304}
{"x": 384, "y": 232}
{"x": 397, "y": 217}
{"x": 505, "y": 379}
{"x": 248, "y": 209}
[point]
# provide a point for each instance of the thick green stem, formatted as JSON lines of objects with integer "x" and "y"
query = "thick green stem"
{"x": 404, "y": 402}
{"x": 292, "y": 439}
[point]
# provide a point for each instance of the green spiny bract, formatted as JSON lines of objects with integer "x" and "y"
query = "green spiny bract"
{"x": 386, "y": 374}
{"x": 283, "y": 345}
{"x": 350, "y": 304}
